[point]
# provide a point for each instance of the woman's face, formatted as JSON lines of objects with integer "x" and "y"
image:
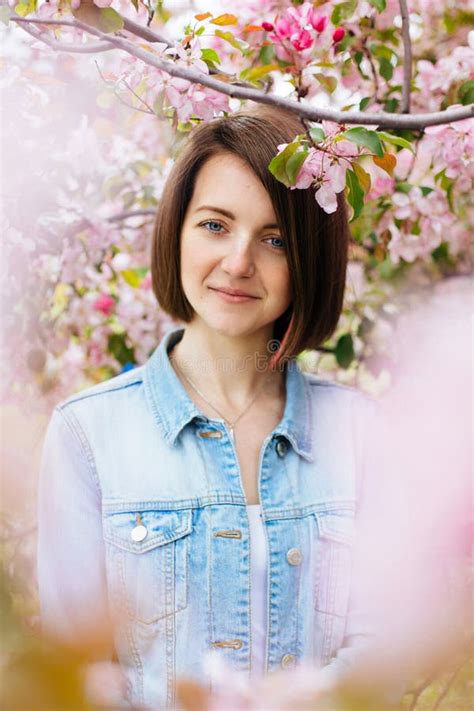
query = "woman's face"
{"x": 230, "y": 240}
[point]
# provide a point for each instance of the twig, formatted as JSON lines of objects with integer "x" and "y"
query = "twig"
{"x": 89, "y": 48}
{"x": 383, "y": 119}
{"x": 447, "y": 686}
{"x": 130, "y": 26}
{"x": 417, "y": 692}
{"x": 145, "y": 103}
{"x": 368, "y": 56}
{"x": 407, "y": 57}
{"x": 131, "y": 213}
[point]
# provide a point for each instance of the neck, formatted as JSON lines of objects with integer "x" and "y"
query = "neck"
{"x": 227, "y": 368}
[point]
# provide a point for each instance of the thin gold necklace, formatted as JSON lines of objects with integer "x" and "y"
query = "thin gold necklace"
{"x": 228, "y": 422}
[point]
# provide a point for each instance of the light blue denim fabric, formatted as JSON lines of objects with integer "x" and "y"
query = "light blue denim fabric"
{"x": 135, "y": 450}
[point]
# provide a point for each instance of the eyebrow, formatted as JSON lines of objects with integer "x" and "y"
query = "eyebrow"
{"x": 231, "y": 216}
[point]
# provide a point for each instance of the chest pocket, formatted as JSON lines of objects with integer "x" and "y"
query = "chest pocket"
{"x": 147, "y": 562}
{"x": 333, "y": 560}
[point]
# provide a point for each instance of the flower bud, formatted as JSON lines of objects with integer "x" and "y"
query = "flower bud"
{"x": 338, "y": 34}
{"x": 267, "y": 26}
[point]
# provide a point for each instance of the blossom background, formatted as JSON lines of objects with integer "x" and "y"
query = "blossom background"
{"x": 87, "y": 143}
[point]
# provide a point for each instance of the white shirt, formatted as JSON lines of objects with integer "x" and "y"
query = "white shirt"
{"x": 258, "y": 597}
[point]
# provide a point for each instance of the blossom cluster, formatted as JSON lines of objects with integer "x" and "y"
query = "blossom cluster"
{"x": 296, "y": 32}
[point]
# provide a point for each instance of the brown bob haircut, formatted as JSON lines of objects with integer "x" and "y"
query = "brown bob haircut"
{"x": 316, "y": 242}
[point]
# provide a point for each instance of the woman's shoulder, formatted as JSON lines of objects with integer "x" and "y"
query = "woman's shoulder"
{"x": 323, "y": 390}
{"x": 320, "y": 384}
{"x": 106, "y": 388}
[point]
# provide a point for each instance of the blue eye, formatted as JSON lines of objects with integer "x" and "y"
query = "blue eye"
{"x": 211, "y": 222}
{"x": 207, "y": 224}
{"x": 282, "y": 245}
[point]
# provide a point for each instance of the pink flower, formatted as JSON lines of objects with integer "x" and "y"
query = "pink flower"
{"x": 302, "y": 40}
{"x": 326, "y": 174}
{"x": 284, "y": 28}
{"x": 338, "y": 34}
{"x": 105, "y": 304}
{"x": 333, "y": 182}
{"x": 317, "y": 22}
{"x": 382, "y": 185}
{"x": 267, "y": 26}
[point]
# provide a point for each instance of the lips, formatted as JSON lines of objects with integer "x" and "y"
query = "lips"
{"x": 233, "y": 292}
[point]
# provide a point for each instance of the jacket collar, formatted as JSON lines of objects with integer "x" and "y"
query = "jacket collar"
{"x": 173, "y": 409}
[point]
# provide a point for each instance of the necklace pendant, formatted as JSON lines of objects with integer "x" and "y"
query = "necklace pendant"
{"x": 231, "y": 432}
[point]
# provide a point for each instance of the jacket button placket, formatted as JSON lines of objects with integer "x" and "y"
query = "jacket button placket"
{"x": 229, "y": 554}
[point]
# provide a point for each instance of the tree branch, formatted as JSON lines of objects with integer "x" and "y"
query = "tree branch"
{"x": 132, "y": 213}
{"x": 381, "y": 119}
{"x": 89, "y": 48}
{"x": 407, "y": 57}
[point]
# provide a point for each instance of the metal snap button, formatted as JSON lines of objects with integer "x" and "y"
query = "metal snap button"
{"x": 281, "y": 447}
{"x": 288, "y": 661}
{"x": 294, "y": 556}
{"x": 211, "y": 434}
{"x": 139, "y": 533}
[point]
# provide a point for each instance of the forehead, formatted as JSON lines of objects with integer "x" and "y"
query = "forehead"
{"x": 225, "y": 180}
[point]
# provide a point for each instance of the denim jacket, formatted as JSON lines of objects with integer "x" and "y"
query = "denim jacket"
{"x": 142, "y": 518}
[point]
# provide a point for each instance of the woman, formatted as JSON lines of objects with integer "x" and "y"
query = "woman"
{"x": 206, "y": 499}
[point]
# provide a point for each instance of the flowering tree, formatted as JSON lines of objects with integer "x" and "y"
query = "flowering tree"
{"x": 386, "y": 113}
{"x": 97, "y": 95}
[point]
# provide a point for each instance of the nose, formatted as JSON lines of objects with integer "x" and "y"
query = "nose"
{"x": 239, "y": 260}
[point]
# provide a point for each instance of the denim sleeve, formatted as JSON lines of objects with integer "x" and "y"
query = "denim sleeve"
{"x": 70, "y": 554}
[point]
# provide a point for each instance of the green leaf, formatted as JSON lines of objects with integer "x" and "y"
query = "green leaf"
{"x": 317, "y": 134}
{"x": 140, "y": 168}
{"x": 386, "y": 68}
{"x": 391, "y": 105}
{"x": 344, "y": 350}
{"x": 355, "y": 195}
{"x": 381, "y": 50}
{"x": 294, "y": 163}
{"x": 362, "y": 176}
{"x": 113, "y": 186}
{"x": 210, "y": 56}
{"x": 328, "y": 82}
{"x": 25, "y": 8}
{"x": 255, "y": 73}
{"x": 441, "y": 254}
{"x": 131, "y": 277}
{"x": 364, "y": 103}
{"x": 404, "y": 187}
{"x": 395, "y": 140}
{"x": 425, "y": 190}
{"x": 119, "y": 349}
{"x": 379, "y": 5}
{"x": 231, "y": 39}
{"x": 110, "y": 20}
{"x": 466, "y": 92}
{"x": 267, "y": 54}
{"x": 105, "y": 19}
{"x": 363, "y": 137}
{"x": 277, "y": 165}
{"x": 343, "y": 11}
